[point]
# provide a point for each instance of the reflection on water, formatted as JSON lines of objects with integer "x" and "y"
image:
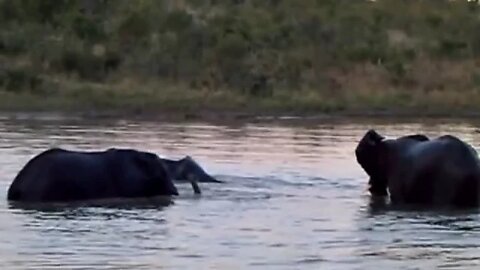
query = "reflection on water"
{"x": 294, "y": 198}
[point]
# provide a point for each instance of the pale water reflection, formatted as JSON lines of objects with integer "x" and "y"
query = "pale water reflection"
{"x": 294, "y": 198}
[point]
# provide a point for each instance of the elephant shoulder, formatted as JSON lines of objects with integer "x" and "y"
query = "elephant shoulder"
{"x": 455, "y": 144}
{"x": 38, "y": 162}
{"x": 127, "y": 152}
{"x": 449, "y": 138}
{"x": 54, "y": 150}
{"x": 410, "y": 142}
{"x": 453, "y": 141}
{"x": 48, "y": 153}
{"x": 417, "y": 137}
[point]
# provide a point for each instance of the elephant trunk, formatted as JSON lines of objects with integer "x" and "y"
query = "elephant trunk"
{"x": 193, "y": 179}
{"x": 196, "y": 188}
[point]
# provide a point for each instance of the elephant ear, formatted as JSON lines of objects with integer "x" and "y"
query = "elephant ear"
{"x": 367, "y": 150}
{"x": 156, "y": 172}
{"x": 372, "y": 137}
{"x": 370, "y": 155}
{"x": 151, "y": 165}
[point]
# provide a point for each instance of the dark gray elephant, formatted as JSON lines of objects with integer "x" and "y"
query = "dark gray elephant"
{"x": 59, "y": 175}
{"x": 186, "y": 168}
{"x": 444, "y": 171}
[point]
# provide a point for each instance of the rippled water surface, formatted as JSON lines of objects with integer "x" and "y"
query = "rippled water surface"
{"x": 294, "y": 198}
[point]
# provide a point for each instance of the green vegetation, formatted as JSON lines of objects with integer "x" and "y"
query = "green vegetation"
{"x": 253, "y": 55}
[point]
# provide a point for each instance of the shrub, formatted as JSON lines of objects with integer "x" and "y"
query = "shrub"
{"x": 20, "y": 79}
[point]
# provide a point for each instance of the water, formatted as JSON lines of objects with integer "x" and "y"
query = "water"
{"x": 294, "y": 198}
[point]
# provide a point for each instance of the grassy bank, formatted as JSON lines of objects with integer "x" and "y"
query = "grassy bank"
{"x": 157, "y": 99}
{"x": 243, "y": 56}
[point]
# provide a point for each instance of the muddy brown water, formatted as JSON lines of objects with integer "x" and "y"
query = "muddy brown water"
{"x": 294, "y": 198}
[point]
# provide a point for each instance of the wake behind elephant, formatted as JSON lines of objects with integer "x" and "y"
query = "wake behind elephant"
{"x": 413, "y": 169}
{"x": 59, "y": 175}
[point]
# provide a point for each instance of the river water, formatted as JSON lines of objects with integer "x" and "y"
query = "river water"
{"x": 294, "y": 198}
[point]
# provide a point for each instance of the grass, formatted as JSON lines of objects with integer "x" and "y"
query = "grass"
{"x": 241, "y": 57}
{"x": 136, "y": 96}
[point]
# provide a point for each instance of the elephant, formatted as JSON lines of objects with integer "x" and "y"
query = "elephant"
{"x": 416, "y": 170}
{"x": 60, "y": 175}
{"x": 180, "y": 170}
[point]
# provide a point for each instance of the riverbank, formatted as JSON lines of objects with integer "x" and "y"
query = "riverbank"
{"x": 182, "y": 104}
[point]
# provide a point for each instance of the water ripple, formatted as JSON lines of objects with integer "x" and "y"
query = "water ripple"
{"x": 293, "y": 198}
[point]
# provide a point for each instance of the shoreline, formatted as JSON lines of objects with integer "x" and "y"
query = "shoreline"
{"x": 215, "y": 115}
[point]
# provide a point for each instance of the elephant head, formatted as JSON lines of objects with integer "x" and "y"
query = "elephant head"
{"x": 371, "y": 155}
{"x": 188, "y": 169}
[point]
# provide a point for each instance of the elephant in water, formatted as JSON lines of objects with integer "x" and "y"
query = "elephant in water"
{"x": 59, "y": 175}
{"x": 185, "y": 168}
{"x": 413, "y": 169}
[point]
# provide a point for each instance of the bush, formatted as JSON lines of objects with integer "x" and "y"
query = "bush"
{"x": 88, "y": 66}
{"x": 252, "y": 46}
{"x": 20, "y": 79}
